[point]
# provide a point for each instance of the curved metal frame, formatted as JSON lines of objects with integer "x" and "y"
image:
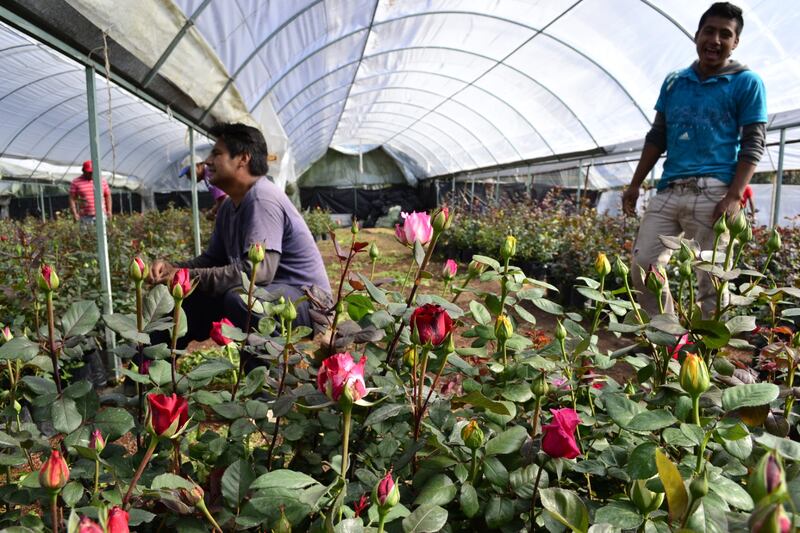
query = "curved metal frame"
{"x": 428, "y": 137}
{"x": 480, "y": 115}
{"x": 136, "y": 148}
{"x": 410, "y": 147}
{"x": 469, "y": 132}
{"x": 28, "y": 84}
{"x": 153, "y": 165}
{"x": 425, "y": 72}
{"x": 672, "y": 20}
{"x": 255, "y": 52}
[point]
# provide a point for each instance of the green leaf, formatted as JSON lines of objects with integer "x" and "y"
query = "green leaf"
{"x": 386, "y": 412}
{"x": 236, "y": 481}
{"x": 358, "y": 306}
{"x": 476, "y": 399}
{"x": 499, "y": 511}
{"x": 786, "y": 448}
{"x": 72, "y": 493}
{"x": 621, "y": 409}
{"x": 39, "y": 386}
{"x": 750, "y": 395}
{"x": 731, "y": 492}
{"x": 80, "y": 318}
{"x": 170, "y": 481}
{"x": 439, "y": 490}
{"x": 210, "y": 369}
{"x": 480, "y": 313}
{"x": 114, "y": 422}
{"x": 508, "y": 441}
{"x": 375, "y": 293}
{"x": 651, "y": 420}
{"x": 620, "y": 514}
{"x": 713, "y": 333}
{"x": 566, "y": 507}
{"x": 349, "y": 525}
{"x": 160, "y": 372}
{"x": 547, "y": 306}
{"x": 677, "y": 498}
{"x": 229, "y": 410}
{"x": 66, "y": 417}
{"x": 120, "y": 323}
{"x": 640, "y": 462}
{"x": 19, "y": 348}
{"x": 523, "y": 479}
{"x": 419, "y": 253}
{"x": 425, "y": 519}
{"x": 157, "y": 303}
{"x": 288, "y": 479}
{"x": 525, "y": 315}
{"x": 488, "y": 261}
{"x": 495, "y": 472}
{"x": 739, "y": 324}
{"x": 468, "y": 498}
{"x": 518, "y": 392}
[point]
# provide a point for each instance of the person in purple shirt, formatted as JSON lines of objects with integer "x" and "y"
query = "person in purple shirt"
{"x": 217, "y": 194}
{"x": 254, "y": 211}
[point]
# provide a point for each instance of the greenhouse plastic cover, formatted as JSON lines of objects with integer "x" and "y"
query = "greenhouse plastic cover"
{"x": 444, "y": 86}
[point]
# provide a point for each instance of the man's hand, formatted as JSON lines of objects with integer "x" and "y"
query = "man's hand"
{"x": 629, "y": 198}
{"x": 728, "y": 206}
{"x": 161, "y": 271}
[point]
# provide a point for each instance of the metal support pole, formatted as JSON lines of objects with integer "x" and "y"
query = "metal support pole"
{"x": 195, "y": 207}
{"x": 100, "y": 220}
{"x": 40, "y": 201}
{"x": 436, "y": 186}
{"x": 453, "y": 189}
{"x": 497, "y": 189}
{"x": 776, "y": 190}
{"x": 472, "y": 196}
{"x": 580, "y": 183}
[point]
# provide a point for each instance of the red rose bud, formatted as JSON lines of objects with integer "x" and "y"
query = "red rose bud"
{"x": 683, "y": 341}
{"x": 168, "y": 415}
{"x": 656, "y": 279}
{"x": 48, "y": 279}
{"x": 694, "y": 377}
{"x": 503, "y": 329}
{"x": 54, "y": 473}
{"x": 256, "y": 253}
{"x": 449, "y": 270}
{"x": 340, "y": 374}
{"x": 97, "y": 441}
{"x": 138, "y": 270}
{"x": 181, "y": 284}
{"x": 87, "y": 525}
{"x": 441, "y": 220}
{"x": 6, "y": 334}
{"x": 602, "y": 265}
{"x": 770, "y": 518}
{"x": 472, "y": 435}
{"x": 431, "y": 324}
{"x": 117, "y": 521}
{"x": 559, "y": 434}
{"x": 767, "y": 479}
{"x": 216, "y": 332}
{"x": 386, "y": 494}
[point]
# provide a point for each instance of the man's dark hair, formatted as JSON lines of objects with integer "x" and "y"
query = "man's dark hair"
{"x": 724, "y": 10}
{"x": 242, "y": 139}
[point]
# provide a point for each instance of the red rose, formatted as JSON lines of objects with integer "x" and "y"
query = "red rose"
{"x": 216, "y": 332}
{"x": 432, "y": 324}
{"x": 559, "y": 434}
{"x": 340, "y": 372}
{"x": 144, "y": 367}
{"x": 54, "y": 473}
{"x": 168, "y": 414}
{"x": 181, "y": 284}
{"x": 118, "y": 521}
{"x": 683, "y": 340}
{"x": 87, "y": 525}
{"x": 48, "y": 279}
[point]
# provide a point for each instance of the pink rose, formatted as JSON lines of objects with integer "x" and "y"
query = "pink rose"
{"x": 216, "y": 332}
{"x": 449, "y": 270}
{"x": 559, "y": 434}
{"x": 340, "y": 372}
{"x": 181, "y": 284}
{"x": 416, "y": 227}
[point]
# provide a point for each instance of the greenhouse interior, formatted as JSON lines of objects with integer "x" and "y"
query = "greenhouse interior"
{"x": 399, "y": 265}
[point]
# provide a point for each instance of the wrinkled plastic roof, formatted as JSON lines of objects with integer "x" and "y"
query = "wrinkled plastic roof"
{"x": 443, "y": 85}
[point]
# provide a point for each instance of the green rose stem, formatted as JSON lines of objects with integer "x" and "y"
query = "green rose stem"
{"x": 411, "y": 297}
{"x": 421, "y": 364}
{"x": 96, "y": 474}
{"x": 51, "y": 342}
{"x": 598, "y": 307}
{"x": 568, "y": 372}
{"x": 281, "y": 385}
{"x": 338, "y": 302}
{"x": 470, "y": 277}
{"x": 139, "y": 349}
{"x": 787, "y": 408}
{"x": 176, "y": 316}
{"x": 533, "y": 496}
{"x": 54, "y": 510}
{"x": 408, "y": 274}
{"x": 145, "y": 460}
{"x": 433, "y": 385}
{"x": 629, "y": 293}
{"x": 202, "y": 506}
{"x": 242, "y": 358}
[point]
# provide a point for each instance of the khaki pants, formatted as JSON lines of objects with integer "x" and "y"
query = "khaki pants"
{"x": 684, "y": 209}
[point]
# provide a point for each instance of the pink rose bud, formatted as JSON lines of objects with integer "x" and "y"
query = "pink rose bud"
{"x": 138, "y": 270}
{"x": 6, "y": 334}
{"x": 181, "y": 284}
{"x": 97, "y": 441}
{"x": 216, "y": 332}
{"x": 449, "y": 270}
{"x": 118, "y": 521}
{"x": 340, "y": 374}
{"x": 386, "y": 494}
{"x": 48, "y": 279}
{"x": 87, "y": 525}
{"x": 54, "y": 473}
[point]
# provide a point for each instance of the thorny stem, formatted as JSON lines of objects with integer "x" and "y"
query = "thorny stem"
{"x": 347, "y": 411}
{"x": 598, "y": 307}
{"x": 280, "y": 391}
{"x": 145, "y": 460}
{"x": 139, "y": 350}
{"x": 473, "y": 467}
{"x": 96, "y": 477}
{"x": 174, "y": 342}
{"x": 54, "y": 511}
{"x": 463, "y": 286}
{"x": 242, "y": 354}
{"x": 433, "y": 385}
{"x": 338, "y": 300}
{"x": 51, "y": 342}
{"x": 533, "y": 497}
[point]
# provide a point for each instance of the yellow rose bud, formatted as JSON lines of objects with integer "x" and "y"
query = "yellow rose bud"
{"x": 694, "y": 377}
{"x": 509, "y": 248}
{"x": 472, "y": 435}
{"x": 503, "y": 329}
{"x": 602, "y": 266}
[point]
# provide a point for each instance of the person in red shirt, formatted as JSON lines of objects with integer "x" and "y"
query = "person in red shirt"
{"x": 81, "y": 196}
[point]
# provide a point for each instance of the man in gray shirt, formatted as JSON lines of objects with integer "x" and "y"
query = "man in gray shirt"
{"x": 256, "y": 211}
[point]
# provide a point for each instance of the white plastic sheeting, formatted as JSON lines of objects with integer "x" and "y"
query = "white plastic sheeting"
{"x": 445, "y": 86}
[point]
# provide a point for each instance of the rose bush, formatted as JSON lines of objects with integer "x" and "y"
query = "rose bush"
{"x": 454, "y": 417}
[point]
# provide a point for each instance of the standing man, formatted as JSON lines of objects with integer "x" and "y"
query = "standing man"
{"x": 711, "y": 120}
{"x": 256, "y": 211}
{"x": 81, "y": 196}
